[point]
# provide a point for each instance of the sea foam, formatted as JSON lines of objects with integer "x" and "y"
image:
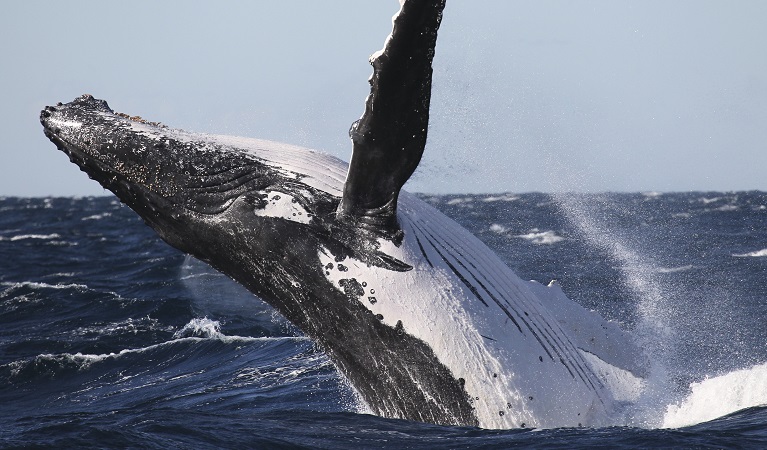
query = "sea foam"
{"x": 756, "y": 254}
{"x": 718, "y": 396}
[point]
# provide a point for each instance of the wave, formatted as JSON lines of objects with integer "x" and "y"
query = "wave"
{"x": 674, "y": 269}
{"x": 22, "y": 237}
{"x": 48, "y": 239}
{"x": 128, "y": 326}
{"x": 459, "y": 201}
{"x": 202, "y": 328}
{"x": 716, "y": 397}
{"x": 535, "y": 235}
{"x": 707, "y": 200}
{"x": 756, "y": 254}
{"x": 541, "y": 237}
{"x": 500, "y": 198}
{"x": 198, "y": 330}
{"x": 34, "y": 285}
{"x": 498, "y": 228}
{"x": 97, "y": 216}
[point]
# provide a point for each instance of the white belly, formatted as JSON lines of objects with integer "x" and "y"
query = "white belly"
{"x": 483, "y": 322}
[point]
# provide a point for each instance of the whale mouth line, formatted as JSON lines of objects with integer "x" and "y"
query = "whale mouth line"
{"x": 97, "y": 168}
{"x": 79, "y": 156}
{"x": 213, "y": 192}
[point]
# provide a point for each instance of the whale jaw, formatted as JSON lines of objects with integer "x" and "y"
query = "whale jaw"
{"x": 173, "y": 183}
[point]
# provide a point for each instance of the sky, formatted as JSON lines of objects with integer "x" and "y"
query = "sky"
{"x": 528, "y": 95}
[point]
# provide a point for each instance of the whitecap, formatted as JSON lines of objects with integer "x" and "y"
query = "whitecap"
{"x": 203, "y": 328}
{"x": 22, "y": 237}
{"x": 498, "y": 228}
{"x": 97, "y": 216}
{"x": 718, "y": 396}
{"x": 674, "y": 269}
{"x": 36, "y": 285}
{"x": 541, "y": 237}
{"x": 82, "y": 361}
{"x": 727, "y": 208}
{"x": 460, "y": 200}
{"x": 757, "y": 254}
{"x": 501, "y": 198}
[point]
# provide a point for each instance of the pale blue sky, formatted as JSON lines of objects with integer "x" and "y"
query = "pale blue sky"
{"x": 535, "y": 95}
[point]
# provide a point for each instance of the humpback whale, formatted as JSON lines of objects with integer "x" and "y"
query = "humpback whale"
{"x": 424, "y": 320}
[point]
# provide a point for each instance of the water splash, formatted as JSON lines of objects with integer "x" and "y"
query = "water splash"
{"x": 719, "y": 396}
{"x": 200, "y": 327}
{"x": 654, "y": 330}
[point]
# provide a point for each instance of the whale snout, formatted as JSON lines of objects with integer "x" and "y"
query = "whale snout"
{"x": 146, "y": 163}
{"x": 66, "y": 121}
{"x": 105, "y": 145}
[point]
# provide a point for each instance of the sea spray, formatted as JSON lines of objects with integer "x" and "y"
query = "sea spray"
{"x": 719, "y": 396}
{"x": 654, "y": 329}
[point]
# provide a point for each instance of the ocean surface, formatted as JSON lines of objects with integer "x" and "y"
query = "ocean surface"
{"x": 111, "y": 338}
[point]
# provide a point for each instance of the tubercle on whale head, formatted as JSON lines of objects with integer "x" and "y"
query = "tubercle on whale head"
{"x": 190, "y": 187}
{"x": 169, "y": 178}
{"x": 105, "y": 146}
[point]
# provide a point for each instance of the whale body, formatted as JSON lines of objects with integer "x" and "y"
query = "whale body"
{"x": 424, "y": 320}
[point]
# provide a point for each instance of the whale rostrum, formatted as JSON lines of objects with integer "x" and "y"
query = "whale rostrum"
{"x": 424, "y": 320}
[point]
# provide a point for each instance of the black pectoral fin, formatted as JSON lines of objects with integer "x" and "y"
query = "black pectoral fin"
{"x": 390, "y": 137}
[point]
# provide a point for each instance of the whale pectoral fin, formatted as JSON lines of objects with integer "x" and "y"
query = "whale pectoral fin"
{"x": 592, "y": 334}
{"x": 390, "y": 136}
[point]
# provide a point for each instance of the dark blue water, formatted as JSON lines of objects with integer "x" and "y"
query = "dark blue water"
{"x": 111, "y": 338}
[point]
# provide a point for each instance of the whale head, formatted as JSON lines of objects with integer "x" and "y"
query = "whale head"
{"x": 231, "y": 202}
{"x": 184, "y": 184}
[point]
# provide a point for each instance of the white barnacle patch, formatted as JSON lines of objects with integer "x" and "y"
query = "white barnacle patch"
{"x": 283, "y": 206}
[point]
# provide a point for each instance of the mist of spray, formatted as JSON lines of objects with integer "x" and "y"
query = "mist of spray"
{"x": 654, "y": 331}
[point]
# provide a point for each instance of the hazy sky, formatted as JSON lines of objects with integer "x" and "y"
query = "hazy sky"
{"x": 528, "y": 95}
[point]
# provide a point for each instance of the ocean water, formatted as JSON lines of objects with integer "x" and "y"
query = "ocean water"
{"x": 111, "y": 338}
